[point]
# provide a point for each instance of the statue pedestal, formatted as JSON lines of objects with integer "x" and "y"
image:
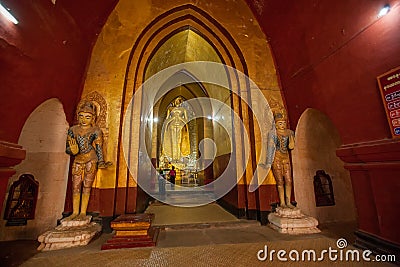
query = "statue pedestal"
{"x": 77, "y": 232}
{"x": 133, "y": 231}
{"x": 292, "y": 221}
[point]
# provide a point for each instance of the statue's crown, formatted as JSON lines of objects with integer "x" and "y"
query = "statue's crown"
{"x": 279, "y": 116}
{"x": 87, "y": 106}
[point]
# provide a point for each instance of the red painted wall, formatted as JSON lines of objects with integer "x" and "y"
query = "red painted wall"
{"x": 45, "y": 56}
{"x": 328, "y": 54}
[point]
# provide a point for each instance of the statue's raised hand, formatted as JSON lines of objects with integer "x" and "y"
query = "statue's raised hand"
{"x": 73, "y": 145}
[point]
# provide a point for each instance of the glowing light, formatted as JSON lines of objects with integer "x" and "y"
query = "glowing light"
{"x": 155, "y": 119}
{"x": 7, "y": 14}
{"x": 384, "y": 11}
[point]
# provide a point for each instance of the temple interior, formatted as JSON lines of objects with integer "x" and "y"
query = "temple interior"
{"x": 195, "y": 87}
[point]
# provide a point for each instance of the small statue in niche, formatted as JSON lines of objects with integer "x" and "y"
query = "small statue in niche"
{"x": 165, "y": 164}
{"x": 21, "y": 201}
{"x": 85, "y": 143}
{"x": 282, "y": 141}
{"x": 323, "y": 189}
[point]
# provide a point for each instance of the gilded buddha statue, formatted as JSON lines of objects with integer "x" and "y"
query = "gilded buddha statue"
{"x": 175, "y": 139}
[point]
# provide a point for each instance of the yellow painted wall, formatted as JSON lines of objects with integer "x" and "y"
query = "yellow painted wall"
{"x": 110, "y": 57}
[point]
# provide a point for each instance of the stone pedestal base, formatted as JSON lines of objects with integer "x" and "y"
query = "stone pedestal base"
{"x": 76, "y": 222}
{"x": 292, "y": 221}
{"x": 73, "y": 233}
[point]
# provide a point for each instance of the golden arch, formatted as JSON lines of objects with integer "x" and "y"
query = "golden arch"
{"x": 124, "y": 49}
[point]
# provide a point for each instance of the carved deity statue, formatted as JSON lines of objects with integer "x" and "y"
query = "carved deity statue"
{"x": 175, "y": 138}
{"x": 282, "y": 141}
{"x": 85, "y": 143}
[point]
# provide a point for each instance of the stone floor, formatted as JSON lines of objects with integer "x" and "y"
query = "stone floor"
{"x": 173, "y": 216}
{"x": 206, "y": 236}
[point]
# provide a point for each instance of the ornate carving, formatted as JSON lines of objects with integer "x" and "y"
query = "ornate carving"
{"x": 275, "y": 105}
{"x": 101, "y": 121}
{"x": 101, "y": 106}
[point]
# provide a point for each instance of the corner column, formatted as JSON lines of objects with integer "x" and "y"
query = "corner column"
{"x": 10, "y": 155}
{"x": 375, "y": 174}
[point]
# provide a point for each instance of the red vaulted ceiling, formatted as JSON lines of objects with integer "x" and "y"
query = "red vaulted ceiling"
{"x": 327, "y": 53}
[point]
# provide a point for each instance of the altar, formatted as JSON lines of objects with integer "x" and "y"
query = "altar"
{"x": 178, "y": 143}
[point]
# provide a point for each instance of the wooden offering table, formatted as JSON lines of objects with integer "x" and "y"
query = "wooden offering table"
{"x": 132, "y": 231}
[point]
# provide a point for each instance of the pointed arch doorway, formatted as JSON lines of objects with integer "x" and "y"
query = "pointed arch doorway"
{"x": 180, "y": 148}
{"x": 183, "y": 102}
{"x": 129, "y": 52}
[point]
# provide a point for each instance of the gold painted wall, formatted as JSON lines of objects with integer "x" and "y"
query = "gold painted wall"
{"x": 187, "y": 46}
{"x": 113, "y": 56}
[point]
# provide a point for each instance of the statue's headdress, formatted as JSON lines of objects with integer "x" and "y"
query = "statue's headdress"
{"x": 279, "y": 116}
{"x": 88, "y": 107}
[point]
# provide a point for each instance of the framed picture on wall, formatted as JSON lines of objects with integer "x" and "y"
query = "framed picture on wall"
{"x": 389, "y": 87}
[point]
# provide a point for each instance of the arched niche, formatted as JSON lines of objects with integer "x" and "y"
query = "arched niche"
{"x": 43, "y": 136}
{"x": 316, "y": 142}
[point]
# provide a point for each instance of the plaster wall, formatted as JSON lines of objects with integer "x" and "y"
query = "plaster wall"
{"x": 316, "y": 142}
{"x": 43, "y": 136}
